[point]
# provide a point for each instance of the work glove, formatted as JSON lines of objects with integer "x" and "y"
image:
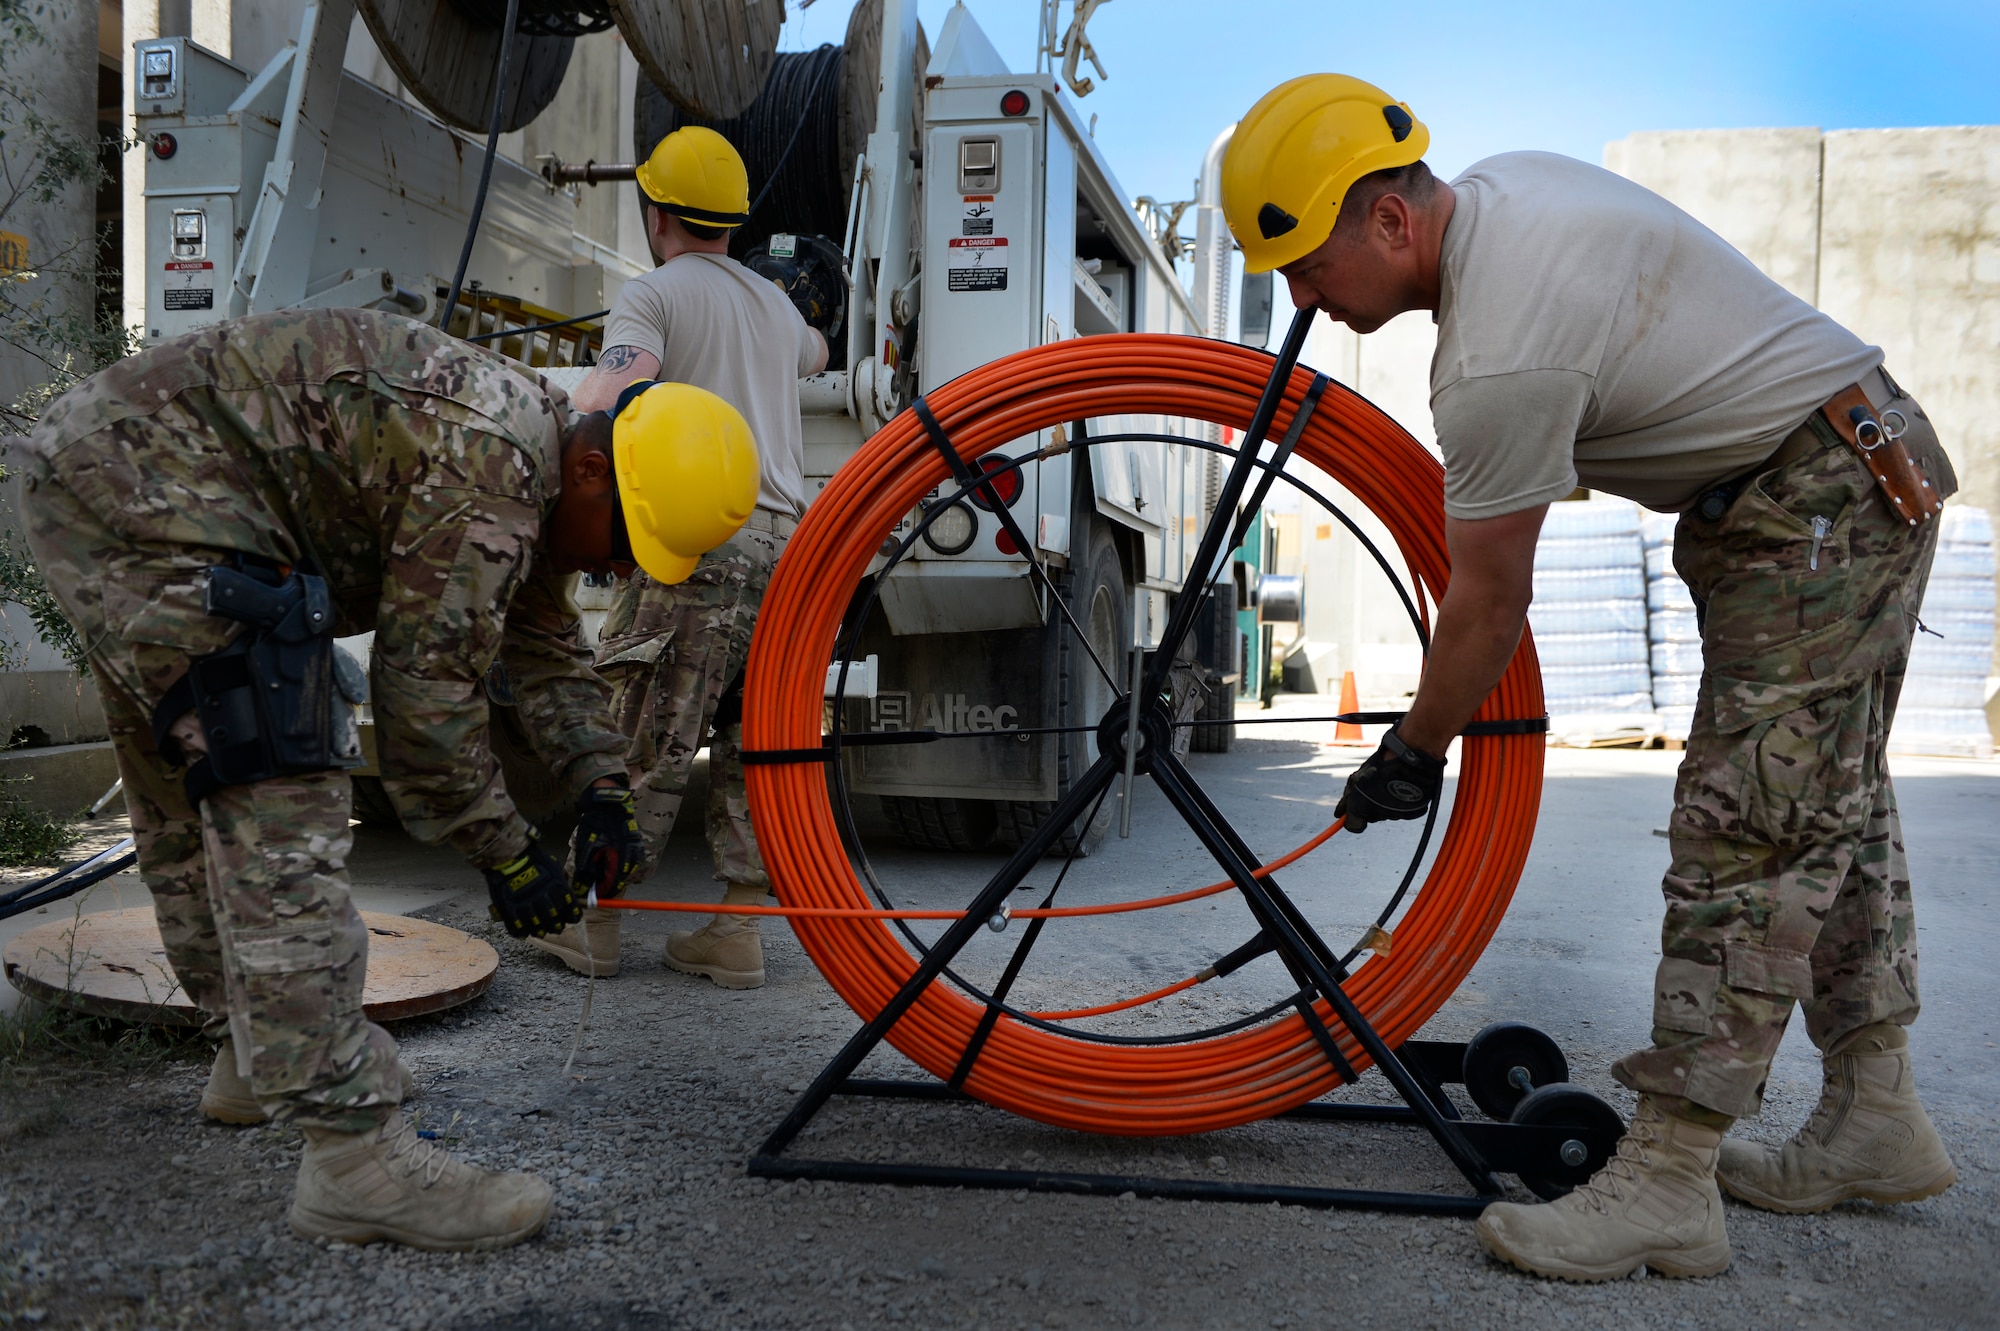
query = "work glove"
{"x": 609, "y": 849}
{"x": 1396, "y": 782}
{"x": 531, "y": 895}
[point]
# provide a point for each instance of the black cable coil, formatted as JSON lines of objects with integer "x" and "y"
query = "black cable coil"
{"x": 790, "y": 141}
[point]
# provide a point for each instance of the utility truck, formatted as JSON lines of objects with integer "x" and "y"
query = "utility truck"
{"x": 980, "y": 219}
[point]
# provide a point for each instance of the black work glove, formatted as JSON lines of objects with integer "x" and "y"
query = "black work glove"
{"x": 531, "y": 895}
{"x": 1396, "y": 782}
{"x": 609, "y": 849}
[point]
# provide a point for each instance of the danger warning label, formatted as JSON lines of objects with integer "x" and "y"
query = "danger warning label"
{"x": 190, "y": 298}
{"x": 985, "y": 260}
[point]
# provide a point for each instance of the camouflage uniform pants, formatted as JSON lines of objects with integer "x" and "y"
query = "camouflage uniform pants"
{"x": 1788, "y": 882}
{"x": 672, "y": 655}
{"x": 250, "y": 890}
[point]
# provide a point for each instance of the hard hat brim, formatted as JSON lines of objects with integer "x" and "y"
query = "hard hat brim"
{"x": 661, "y": 564}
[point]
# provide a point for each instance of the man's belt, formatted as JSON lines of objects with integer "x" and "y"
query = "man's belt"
{"x": 1875, "y": 437}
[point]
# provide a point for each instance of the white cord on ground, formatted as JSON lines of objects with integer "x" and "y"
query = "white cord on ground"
{"x": 577, "y": 1042}
{"x": 589, "y": 985}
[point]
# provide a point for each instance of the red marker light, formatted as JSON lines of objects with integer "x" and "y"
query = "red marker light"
{"x": 165, "y": 146}
{"x": 1005, "y": 542}
{"x": 1014, "y": 102}
{"x": 1006, "y": 481}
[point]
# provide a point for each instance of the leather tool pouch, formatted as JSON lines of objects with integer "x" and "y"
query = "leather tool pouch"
{"x": 280, "y": 699}
{"x": 1910, "y": 495}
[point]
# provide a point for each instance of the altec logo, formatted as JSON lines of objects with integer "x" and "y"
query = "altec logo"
{"x": 956, "y": 715}
{"x": 891, "y": 711}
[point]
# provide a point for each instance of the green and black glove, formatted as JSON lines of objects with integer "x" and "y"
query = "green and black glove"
{"x": 1396, "y": 782}
{"x": 609, "y": 849}
{"x": 531, "y": 895}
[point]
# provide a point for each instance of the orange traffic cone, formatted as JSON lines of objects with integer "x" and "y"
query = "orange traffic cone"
{"x": 1348, "y": 732}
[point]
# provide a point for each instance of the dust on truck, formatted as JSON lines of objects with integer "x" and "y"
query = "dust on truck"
{"x": 981, "y": 220}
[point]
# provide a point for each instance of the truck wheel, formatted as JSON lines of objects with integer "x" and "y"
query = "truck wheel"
{"x": 1102, "y": 605}
{"x": 941, "y": 824}
{"x": 372, "y": 807}
{"x": 1216, "y": 648}
{"x": 1218, "y": 704}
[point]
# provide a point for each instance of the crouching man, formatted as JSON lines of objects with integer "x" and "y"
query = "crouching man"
{"x": 210, "y": 514}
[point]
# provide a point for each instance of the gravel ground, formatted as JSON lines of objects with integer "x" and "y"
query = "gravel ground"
{"x": 120, "y": 1206}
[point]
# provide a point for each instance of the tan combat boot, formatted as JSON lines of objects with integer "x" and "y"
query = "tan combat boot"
{"x": 1653, "y": 1204}
{"x": 228, "y": 1098}
{"x": 588, "y": 947}
{"x": 390, "y": 1183}
{"x": 729, "y": 949}
{"x": 1868, "y": 1137}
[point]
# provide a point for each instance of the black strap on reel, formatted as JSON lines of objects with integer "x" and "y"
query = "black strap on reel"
{"x": 279, "y": 700}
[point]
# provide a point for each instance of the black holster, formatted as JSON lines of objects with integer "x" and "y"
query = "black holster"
{"x": 280, "y": 699}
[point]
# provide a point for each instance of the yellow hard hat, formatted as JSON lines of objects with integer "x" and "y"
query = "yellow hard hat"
{"x": 687, "y": 475}
{"x": 1295, "y": 156}
{"x": 695, "y": 173}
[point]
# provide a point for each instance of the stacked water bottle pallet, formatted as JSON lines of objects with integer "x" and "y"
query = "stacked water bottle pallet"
{"x": 1943, "y": 708}
{"x": 1589, "y": 618}
{"x": 1670, "y": 629}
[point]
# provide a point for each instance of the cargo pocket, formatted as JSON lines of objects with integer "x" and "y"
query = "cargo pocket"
{"x": 290, "y": 1004}
{"x": 1803, "y": 777}
{"x": 1760, "y": 968}
{"x": 1684, "y": 995}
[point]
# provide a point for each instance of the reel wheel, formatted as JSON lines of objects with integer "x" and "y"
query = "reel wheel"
{"x": 1598, "y": 1129}
{"x": 1507, "y": 1062}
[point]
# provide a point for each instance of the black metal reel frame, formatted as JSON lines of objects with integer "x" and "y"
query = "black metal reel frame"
{"x": 1417, "y": 1072}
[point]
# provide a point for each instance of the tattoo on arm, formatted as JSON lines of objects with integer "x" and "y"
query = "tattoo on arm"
{"x": 618, "y": 359}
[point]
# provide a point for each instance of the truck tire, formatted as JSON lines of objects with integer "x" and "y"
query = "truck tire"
{"x": 1101, "y": 602}
{"x": 941, "y": 824}
{"x": 1216, "y": 649}
{"x": 372, "y": 807}
{"x": 1218, "y": 704}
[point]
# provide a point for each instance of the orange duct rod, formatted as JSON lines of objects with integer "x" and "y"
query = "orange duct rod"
{"x": 1140, "y": 1090}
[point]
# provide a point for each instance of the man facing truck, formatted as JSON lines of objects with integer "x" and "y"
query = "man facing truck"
{"x": 675, "y": 653}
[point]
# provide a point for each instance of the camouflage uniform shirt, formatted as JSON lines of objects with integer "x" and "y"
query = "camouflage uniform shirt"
{"x": 414, "y": 471}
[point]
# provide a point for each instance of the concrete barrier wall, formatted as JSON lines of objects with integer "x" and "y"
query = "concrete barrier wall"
{"x": 1756, "y": 188}
{"x": 1893, "y": 232}
{"x": 1910, "y": 259}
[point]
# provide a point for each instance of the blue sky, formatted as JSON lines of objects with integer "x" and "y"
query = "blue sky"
{"x": 1490, "y": 78}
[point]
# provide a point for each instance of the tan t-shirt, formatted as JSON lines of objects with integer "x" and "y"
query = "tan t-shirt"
{"x": 713, "y": 323}
{"x": 1591, "y": 333}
